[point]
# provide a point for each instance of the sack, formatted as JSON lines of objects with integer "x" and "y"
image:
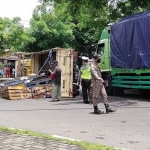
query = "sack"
{"x": 52, "y": 76}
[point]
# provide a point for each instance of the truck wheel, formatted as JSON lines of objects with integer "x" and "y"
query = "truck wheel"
{"x": 76, "y": 94}
{"x": 144, "y": 91}
{"x": 109, "y": 90}
{"x": 118, "y": 91}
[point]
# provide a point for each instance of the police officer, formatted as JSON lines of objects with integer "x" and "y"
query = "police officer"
{"x": 85, "y": 78}
{"x": 98, "y": 86}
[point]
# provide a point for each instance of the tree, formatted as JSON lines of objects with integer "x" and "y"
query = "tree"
{"x": 54, "y": 27}
{"x": 49, "y": 30}
{"x": 101, "y": 12}
{"x": 87, "y": 12}
{"x": 13, "y": 36}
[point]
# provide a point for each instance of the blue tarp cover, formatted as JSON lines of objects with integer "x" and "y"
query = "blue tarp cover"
{"x": 130, "y": 42}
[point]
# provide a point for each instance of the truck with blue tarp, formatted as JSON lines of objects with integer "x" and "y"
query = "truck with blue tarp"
{"x": 125, "y": 54}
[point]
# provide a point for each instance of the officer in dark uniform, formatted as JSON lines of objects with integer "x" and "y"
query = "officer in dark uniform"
{"x": 85, "y": 80}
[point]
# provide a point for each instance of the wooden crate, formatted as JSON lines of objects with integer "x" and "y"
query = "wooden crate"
{"x": 20, "y": 92}
{"x": 36, "y": 92}
{"x": 11, "y": 94}
{"x": 27, "y": 95}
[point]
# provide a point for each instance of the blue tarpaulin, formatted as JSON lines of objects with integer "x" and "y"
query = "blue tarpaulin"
{"x": 130, "y": 42}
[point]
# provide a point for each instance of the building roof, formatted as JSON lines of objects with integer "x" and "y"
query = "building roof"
{"x": 9, "y": 58}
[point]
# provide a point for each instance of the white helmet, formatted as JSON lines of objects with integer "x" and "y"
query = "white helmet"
{"x": 85, "y": 58}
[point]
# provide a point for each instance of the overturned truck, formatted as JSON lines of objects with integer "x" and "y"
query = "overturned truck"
{"x": 38, "y": 84}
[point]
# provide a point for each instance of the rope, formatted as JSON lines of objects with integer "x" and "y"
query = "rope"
{"x": 49, "y": 58}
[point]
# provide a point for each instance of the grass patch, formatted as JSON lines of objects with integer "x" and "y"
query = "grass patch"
{"x": 82, "y": 144}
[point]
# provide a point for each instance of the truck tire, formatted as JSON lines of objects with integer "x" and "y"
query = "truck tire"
{"x": 75, "y": 90}
{"x": 109, "y": 89}
{"x": 118, "y": 91}
{"x": 144, "y": 91}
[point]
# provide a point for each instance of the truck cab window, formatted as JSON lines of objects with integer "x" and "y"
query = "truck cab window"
{"x": 100, "y": 50}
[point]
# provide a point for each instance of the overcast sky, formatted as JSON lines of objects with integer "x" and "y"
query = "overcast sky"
{"x": 17, "y": 8}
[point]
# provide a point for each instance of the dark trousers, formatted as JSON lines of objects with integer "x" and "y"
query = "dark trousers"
{"x": 86, "y": 90}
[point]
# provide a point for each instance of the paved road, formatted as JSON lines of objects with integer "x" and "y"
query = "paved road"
{"x": 128, "y": 128}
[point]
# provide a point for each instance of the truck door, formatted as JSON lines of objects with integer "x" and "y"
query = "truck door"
{"x": 104, "y": 52}
{"x": 65, "y": 59}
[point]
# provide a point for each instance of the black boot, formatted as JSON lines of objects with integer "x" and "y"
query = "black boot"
{"x": 97, "y": 111}
{"x": 86, "y": 101}
{"x": 108, "y": 109}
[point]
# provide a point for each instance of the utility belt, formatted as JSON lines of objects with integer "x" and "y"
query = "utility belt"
{"x": 85, "y": 79}
{"x": 96, "y": 80}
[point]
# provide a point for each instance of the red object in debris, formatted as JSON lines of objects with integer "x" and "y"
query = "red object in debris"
{"x": 7, "y": 72}
{"x": 52, "y": 76}
{"x": 7, "y": 69}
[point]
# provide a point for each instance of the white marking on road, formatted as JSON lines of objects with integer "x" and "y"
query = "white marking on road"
{"x": 121, "y": 148}
{"x": 62, "y": 137}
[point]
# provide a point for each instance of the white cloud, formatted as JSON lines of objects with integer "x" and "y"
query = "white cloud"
{"x": 17, "y": 8}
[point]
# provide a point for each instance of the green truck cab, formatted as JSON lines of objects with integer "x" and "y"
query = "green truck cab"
{"x": 132, "y": 77}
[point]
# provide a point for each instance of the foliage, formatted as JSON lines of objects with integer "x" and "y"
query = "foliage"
{"x": 99, "y": 13}
{"x": 90, "y": 17}
{"x": 66, "y": 23}
{"x": 49, "y": 30}
{"x": 52, "y": 26}
{"x": 13, "y": 36}
{"x": 124, "y": 8}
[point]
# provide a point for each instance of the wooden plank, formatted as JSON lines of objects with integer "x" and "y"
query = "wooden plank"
{"x": 38, "y": 88}
{"x": 20, "y": 86}
{"x": 48, "y": 87}
{"x": 37, "y": 64}
{"x": 41, "y": 95}
{"x": 19, "y": 68}
{"x": 26, "y": 95}
{"x": 13, "y": 92}
{"x": 32, "y": 64}
{"x": 14, "y": 98}
{"x": 49, "y": 93}
{"x": 13, "y": 95}
{"x": 26, "y": 90}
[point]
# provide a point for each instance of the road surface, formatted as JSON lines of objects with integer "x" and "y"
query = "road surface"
{"x": 128, "y": 127}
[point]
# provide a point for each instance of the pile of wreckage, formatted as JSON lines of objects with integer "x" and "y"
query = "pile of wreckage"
{"x": 26, "y": 88}
{"x": 37, "y": 84}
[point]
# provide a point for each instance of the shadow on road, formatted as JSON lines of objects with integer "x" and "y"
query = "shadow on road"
{"x": 135, "y": 95}
{"x": 130, "y": 98}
